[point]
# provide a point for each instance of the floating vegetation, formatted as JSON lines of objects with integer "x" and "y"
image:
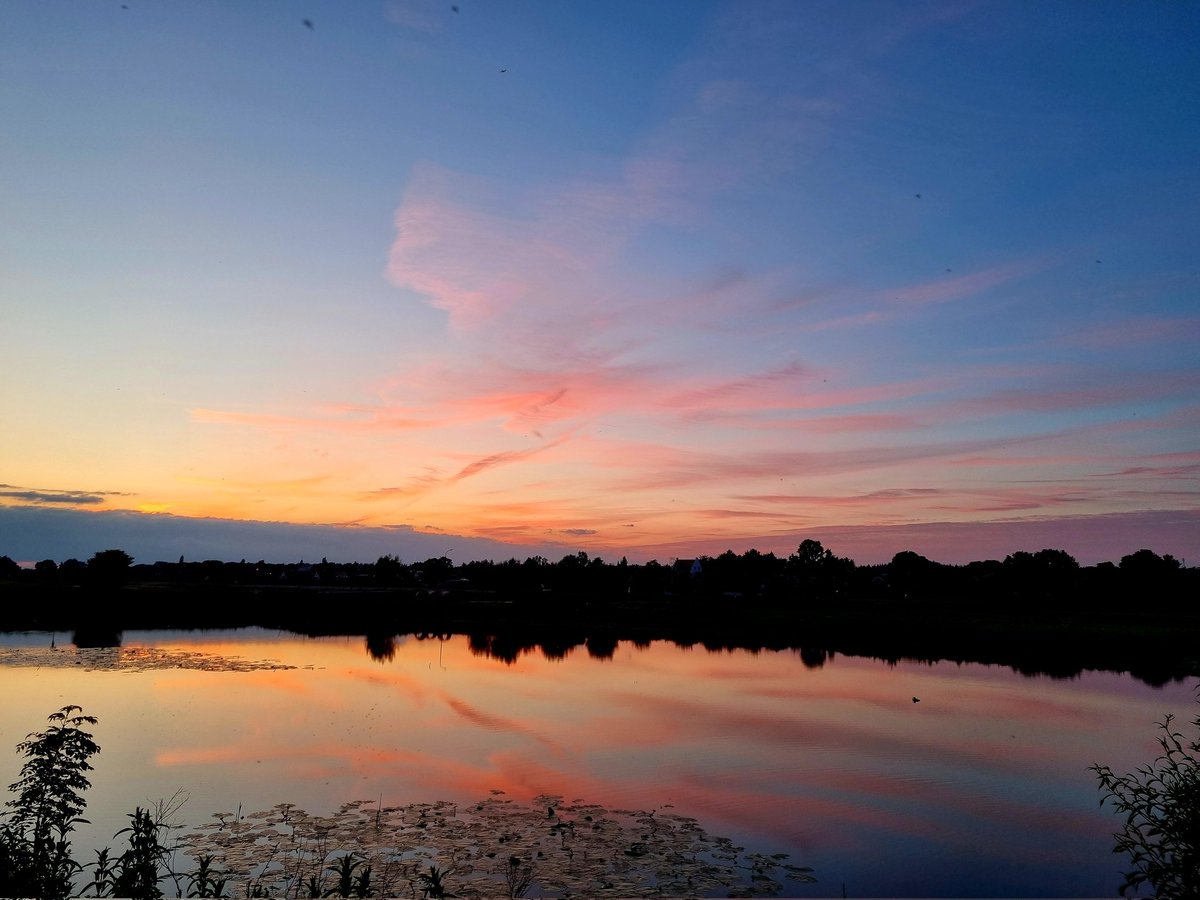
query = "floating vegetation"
{"x": 130, "y": 659}
{"x": 495, "y": 847}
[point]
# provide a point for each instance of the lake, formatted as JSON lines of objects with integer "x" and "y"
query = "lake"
{"x": 979, "y": 789}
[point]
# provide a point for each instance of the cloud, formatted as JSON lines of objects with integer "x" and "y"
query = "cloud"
{"x": 959, "y": 287}
{"x": 1187, "y": 471}
{"x": 493, "y": 722}
{"x": 1096, "y": 389}
{"x": 433, "y": 479}
{"x": 343, "y": 418}
{"x": 732, "y": 390}
{"x": 667, "y": 467}
{"x": 1134, "y": 330}
{"x": 56, "y": 497}
{"x": 31, "y": 533}
{"x": 416, "y": 15}
{"x": 500, "y": 459}
{"x": 869, "y": 499}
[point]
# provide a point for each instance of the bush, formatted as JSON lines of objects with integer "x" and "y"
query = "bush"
{"x": 1161, "y": 805}
{"x": 35, "y": 854}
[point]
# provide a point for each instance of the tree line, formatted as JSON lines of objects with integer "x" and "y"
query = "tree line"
{"x": 812, "y": 574}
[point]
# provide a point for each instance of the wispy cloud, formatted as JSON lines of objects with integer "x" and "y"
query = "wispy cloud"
{"x": 1134, "y": 330}
{"x": 1101, "y": 389}
{"x": 56, "y": 497}
{"x": 433, "y": 479}
{"x": 959, "y": 286}
{"x": 416, "y": 15}
{"x": 346, "y": 418}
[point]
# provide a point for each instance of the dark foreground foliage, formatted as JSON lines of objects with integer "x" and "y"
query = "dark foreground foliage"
{"x": 496, "y": 847}
{"x": 35, "y": 847}
{"x": 1161, "y": 808}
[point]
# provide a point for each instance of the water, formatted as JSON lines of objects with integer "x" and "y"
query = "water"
{"x": 979, "y": 789}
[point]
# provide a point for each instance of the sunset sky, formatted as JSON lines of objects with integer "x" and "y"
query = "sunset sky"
{"x": 639, "y": 278}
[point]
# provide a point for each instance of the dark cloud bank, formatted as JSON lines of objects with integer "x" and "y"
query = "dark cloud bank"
{"x": 30, "y": 533}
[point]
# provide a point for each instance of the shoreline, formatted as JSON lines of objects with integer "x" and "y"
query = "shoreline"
{"x": 1056, "y": 640}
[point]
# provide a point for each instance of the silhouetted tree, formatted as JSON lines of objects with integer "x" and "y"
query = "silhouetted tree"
{"x": 435, "y": 570}
{"x": 809, "y": 555}
{"x": 388, "y": 569}
{"x": 109, "y": 567}
{"x": 817, "y": 572}
{"x": 72, "y": 571}
{"x": 1037, "y": 576}
{"x": 1147, "y": 563}
{"x": 1056, "y": 560}
{"x": 911, "y": 576}
{"x": 9, "y": 568}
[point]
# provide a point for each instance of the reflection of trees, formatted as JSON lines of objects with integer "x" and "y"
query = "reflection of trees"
{"x": 507, "y": 648}
{"x": 96, "y": 636}
{"x": 381, "y": 647}
{"x": 602, "y": 646}
{"x": 813, "y": 657}
{"x": 558, "y": 646}
{"x": 1014, "y": 645}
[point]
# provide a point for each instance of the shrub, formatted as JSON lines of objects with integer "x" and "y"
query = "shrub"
{"x": 1161, "y": 806}
{"x": 35, "y": 853}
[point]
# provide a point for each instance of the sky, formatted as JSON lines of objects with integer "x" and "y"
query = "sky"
{"x": 644, "y": 279}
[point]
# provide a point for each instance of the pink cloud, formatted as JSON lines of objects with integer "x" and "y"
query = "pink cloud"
{"x": 870, "y": 499}
{"x": 465, "y": 261}
{"x": 432, "y": 479}
{"x": 1018, "y": 460}
{"x": 675, "y": 468}
{"x": 493, "y": 722}
{"x": 343, "y": 418}
{"x": 1185, "y": 464}
{"x": 959, "y": 287}
{"x": 504, "y": 458}
{"x": 1134, "y": 330}
{"x": 1100, "y": 390}
{"x": 704, "y": 396}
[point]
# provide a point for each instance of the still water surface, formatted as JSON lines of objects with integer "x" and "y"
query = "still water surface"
{"x": 980, "y": 789}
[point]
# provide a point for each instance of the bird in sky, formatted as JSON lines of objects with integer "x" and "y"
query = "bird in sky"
{"x": 308, "y": 24}
{"x": 918, "y": 196}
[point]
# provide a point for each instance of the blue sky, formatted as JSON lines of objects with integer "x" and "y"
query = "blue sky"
{"x": 645, "y": 279}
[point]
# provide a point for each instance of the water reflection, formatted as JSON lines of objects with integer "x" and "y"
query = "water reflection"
{"x": 981, "y": 789}
{"x": 381, "y": 647}
{"x": 509, "y": 645}
{"x": 96, "y": 636}
{"x": 814, "y": 657}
